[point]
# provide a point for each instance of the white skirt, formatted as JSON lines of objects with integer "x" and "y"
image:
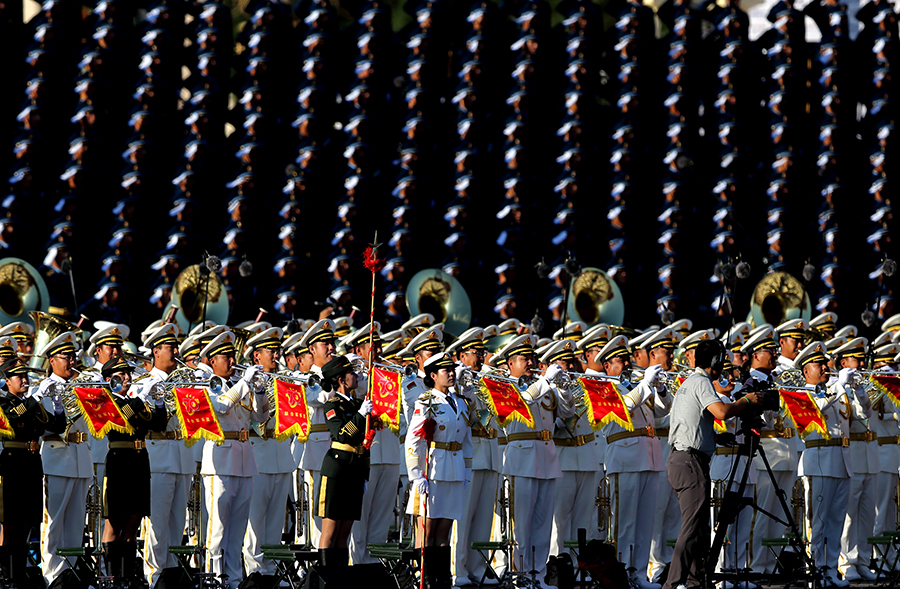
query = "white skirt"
{"x": 445, "y": 500}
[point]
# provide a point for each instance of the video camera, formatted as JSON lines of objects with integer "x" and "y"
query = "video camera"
{"x": 752, "y": 416}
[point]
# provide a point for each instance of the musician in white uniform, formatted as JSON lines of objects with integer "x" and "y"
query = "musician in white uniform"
{"x": 887, "y": 428}
{"x": 320, "y": 342}
{"x": 67, "y": 463}
{"x": 780, "y": 448}
{"x": 531, "y": 460}
{"x": 856, "y": 554}
{"x": 298, "y": 361}
{"x": 634, "y": 458}
{"x": 229, "y": 467}
{"x": 790, "y": 336}
{"x": 481, "y": 494}
{"x": 579, "y": 459}
{"x": 272, "y": 486}
{"x": 384, "y": 460}
{"x": 440, "y": 468}
{"x": 171, "y": 463}
{"x": 827, "y": 463}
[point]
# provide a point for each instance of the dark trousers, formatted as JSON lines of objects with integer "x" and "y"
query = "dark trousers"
{"x": 688, "y": 473}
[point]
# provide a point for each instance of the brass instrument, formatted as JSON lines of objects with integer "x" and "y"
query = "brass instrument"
{"x": 66, "y": 392}
{"x": 241, "y": 337}
{"x": 504, "y": 504}
{"x": 594, "y": 298}
{"x": 792, "y": 377}
{"x": 182, "y": 377}
{"x": 195, "y": 513}
{"x": 863, "y": 378}
{"x": 407, "y": 526}
{"x": 436, "y": 292}
{"x": 471, "y": 377}
{"x": 46, "y": 328}
{"x": 94, "y": 510}
{"x": 718, "y": 499}
{"x": 194, "y": 290}
{"x": 798, "y": 506}
{"x": 408, "y": 371}
{"x": 777, "y": 298}
{"x": 22, "y": 290}
{"x": 302, "y": 510}
{"x": 310, "y": 380}
{"x": 604, "y": 511}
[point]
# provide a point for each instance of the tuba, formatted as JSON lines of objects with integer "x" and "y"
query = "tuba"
{"x": 777, "y": 298}
{"x": 47, "y": 327}
{"x": 22, "y": 290}
{"x": 595, "y": 298}
{"x": 197, "y": 296}
{"x": 436, "y": 292}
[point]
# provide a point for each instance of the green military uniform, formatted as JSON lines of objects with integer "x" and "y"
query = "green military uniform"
{"x": 345, "y": 468}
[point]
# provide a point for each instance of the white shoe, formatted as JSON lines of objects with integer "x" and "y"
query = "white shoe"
{"x": 866, "y": 573}
{"x": 850, "y": 574}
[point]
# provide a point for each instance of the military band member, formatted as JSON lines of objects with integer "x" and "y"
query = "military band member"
{"x": 23, "y": 333}
{"x": 825, "y": 324}
{"x": 172, "y": 464}
{"x": 579, "y": 459}
{"x": 864, "y": 456}
{"x": 640, "y": 357}
{"x": 21, "y": 473}
{"x": 634, "y": 458}
{"x": 790, "y": 335}
{"x": 530, "y": 457}
{"x": 826, "y": 464}
{"x": 298, "y": 360}
{"x": 189, "y": 350}
{"x": 345, "y": 466}
{"x": 272, "y": 486}
{"x": 481, "y": 494}
{"x": 67, "y": 465}
{"x": 887, "y": 429}
{"x": 229, "y": 467}
{"x": 384, "y": 459}
{"x": 778, "y": 443}
{"x": 126, "y": 484}
{"x": 440, "y": 469}
{"x": 290, "y": 357}
{"x": 319, "y": 339}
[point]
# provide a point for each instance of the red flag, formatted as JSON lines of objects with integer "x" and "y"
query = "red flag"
{"x": 806, "y": 415}
{"x": 385, "y": 397}
{"x": 291, "y": 411}
{"x": 6, "y": 430}
{"x": 197, "y": 417}
{"x": 889, "y": 385}
{"x": 506, "y": 402}
{"x": 604, "y": 404}
{"x": 100, "y": 412}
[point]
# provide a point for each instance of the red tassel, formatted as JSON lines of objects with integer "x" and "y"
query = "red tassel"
{"x": 426, "y": 430}
{"x": 372, "y": 263}
{"x": 370, "y": 435}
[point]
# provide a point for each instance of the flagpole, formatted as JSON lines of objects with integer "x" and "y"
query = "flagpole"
{"x": 373, "y": 263}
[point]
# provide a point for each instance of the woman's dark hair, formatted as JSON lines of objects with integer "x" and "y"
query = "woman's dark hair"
{"x": 332, "y": 384}
{"x": 429, "y": 382}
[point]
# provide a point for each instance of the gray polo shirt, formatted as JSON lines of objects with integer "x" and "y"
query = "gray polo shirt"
{"x": 690, "y": 424}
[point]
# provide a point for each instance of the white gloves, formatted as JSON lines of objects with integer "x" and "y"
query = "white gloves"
{"x": 845, "y": 375}
{"x": 421, "y": 485}
{"x": 58, "y": 406}
{"x": 250, "y": 373}
{"x": 552, "y": 371}
{"x": 200, "y": 374}
{"x": 366, "y": 407}
{"x": 651, "y": 374}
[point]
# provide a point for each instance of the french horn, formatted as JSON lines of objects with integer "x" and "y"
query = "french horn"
{"x": 197, "y": 296}
{"x": 436, "y": 292}
{"x": 595, "y": 298}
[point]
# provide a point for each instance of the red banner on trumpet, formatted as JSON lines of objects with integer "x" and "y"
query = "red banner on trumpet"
{"x": 506, "y": 402}
{"x": 805, "y": 413}
{"x": 100, "y": 412}
{"x": 291, "y": 411}
{"x": 604, "y": 404}
{"x": 889, "y": 385}
{"x": 197, "y": 417}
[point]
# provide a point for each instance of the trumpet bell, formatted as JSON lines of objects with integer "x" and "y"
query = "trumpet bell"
{"x": 46, "y": 328}
{"x": 777, "y": 298}
{"x": 436, "y": 292}
{"x": 193, "y": 291}
{"x": 595, "y": 298}
{"x": 21, "y": 290}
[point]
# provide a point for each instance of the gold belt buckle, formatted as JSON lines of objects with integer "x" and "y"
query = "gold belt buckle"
{"x": 870, "y": 436}
{"x": 80, "y": 437}
{"x": 546, "y": 436}
{"x": 139, "y": 444}
{"x": 788, "y": 433}
{"x": 32, "y": 445}
{"x": 243, "y": 435}
{"x": 651, "y": 431}
{"x": 845, "y": 442}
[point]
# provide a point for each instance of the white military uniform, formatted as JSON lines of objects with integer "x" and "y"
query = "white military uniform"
{"x": 887, "y": 428}
{"x": 172, "y": 466}
{"x": 381, "y": 492}
{"x": 532, "y": 463}
{"x": 271, "y": 488}
{"x": 481, "y": 494}
{"x": 68, "y": 469}
{"x": 228, "y": 469}
{"x": 860, "y": 519}
{"x": 667, "y": 519}
{"x": 828, "y": 471}
{"x": 633, "y": 466}
{"x": 579, "y": 458}
{"x": 782, "y": 455}
{"x": 447, "y": 461}
{"x": 316, "y": 447}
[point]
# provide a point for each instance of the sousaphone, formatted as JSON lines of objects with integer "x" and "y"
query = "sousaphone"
{"x": 194, "y": 292}
{"x": 46, "y": 328}
{"x": 436, "y": 292}
{"x": 595, "y": 298}
{"x": 21, "y": 290}
{"x": 777, "y": 298}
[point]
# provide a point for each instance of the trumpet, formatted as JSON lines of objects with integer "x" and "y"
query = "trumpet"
{"x": 181, "y": 378}
{"x": 259, "y": 380}
{"x": 820, "y": 390}
{"x": 470, "y": 377}
{"x": 863, "y": 379}
{"x": 408, "y": 371}
{"x": 65, "y": 392}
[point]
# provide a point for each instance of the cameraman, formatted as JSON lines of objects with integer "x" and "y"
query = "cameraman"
{"x": 692, "y": 437}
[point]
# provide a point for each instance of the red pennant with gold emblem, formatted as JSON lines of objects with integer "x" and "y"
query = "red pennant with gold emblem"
{"x": 506, "y": 402}
{"x": 889, "y": 385}
{"x": 803, "y": 410}
{"x": 291, "y": 411}
{"x": 604, "y": 404}
{"x": 6, "y": 430}
{"x": 385, "y": 396}
{"x": 197, "y": 417}
{"x": 100, "y": 412}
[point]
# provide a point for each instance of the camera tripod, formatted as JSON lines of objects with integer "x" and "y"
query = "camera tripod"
{"x": 734, "y": 501}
